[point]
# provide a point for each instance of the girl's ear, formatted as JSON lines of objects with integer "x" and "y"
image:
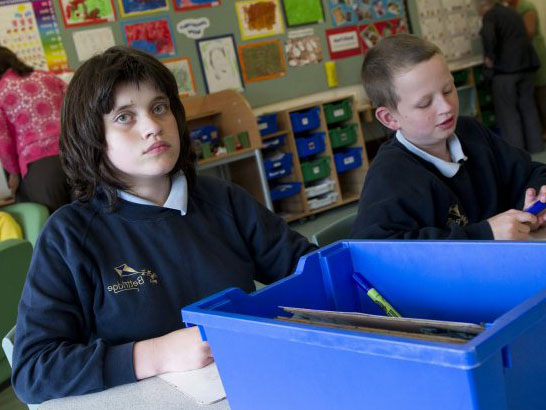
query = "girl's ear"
{"x": 386, "y": 117}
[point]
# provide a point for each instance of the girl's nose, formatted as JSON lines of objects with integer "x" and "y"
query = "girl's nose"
{"x": 151, "y": 127}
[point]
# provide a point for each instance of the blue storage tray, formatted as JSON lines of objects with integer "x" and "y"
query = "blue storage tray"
{"x": 285, "y": 190}
{"x": 267, "y": 123}
{"x": 348, "y": 158}
{"x": 311, "y": 144}
{"x": 273, "y": 143}
{"x": 207, "y": 133}
{"x": 305, "y": 120}
{"x": 278, "y": 167}
{"x": 270, "y": 364}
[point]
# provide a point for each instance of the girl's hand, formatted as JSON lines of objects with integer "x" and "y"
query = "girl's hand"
{"x": 530, "y": 198}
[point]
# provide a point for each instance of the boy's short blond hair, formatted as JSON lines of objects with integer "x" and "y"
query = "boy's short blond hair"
{"x": 387, "y": 58}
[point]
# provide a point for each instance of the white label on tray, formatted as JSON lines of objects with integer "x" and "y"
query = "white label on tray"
{"x": 316, "y": 170}
{"x": 305, "y": 121}
{"x": 339, "y": 112}
{"x": 348, "y": 160}
{"x": 262, "y": 125}
{"x": 311, "y": 145}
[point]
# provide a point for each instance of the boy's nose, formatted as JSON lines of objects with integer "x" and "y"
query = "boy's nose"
{"x": 445, "y": 104}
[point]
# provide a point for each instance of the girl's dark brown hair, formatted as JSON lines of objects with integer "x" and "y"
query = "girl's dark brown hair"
{"x": 8, "y": 60}
{"x": 89, "y": 96}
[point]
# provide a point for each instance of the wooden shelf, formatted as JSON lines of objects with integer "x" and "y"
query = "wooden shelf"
{"x": 245, "y": 152}
{"x": 274, "y": 134}
{"x": 204, "y": 114}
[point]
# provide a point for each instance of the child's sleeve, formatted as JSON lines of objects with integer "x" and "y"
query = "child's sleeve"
{"x": 8, "y": 146}
{"x": 55, "y": 352}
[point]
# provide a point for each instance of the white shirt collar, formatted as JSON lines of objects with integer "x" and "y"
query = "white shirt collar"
{"x": 177, "y": 199}
{"x": 446, "y": 168}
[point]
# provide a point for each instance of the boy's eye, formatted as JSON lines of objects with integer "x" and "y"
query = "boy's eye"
{"x": 123, "y": 118}
{"x": 424, "y": 104}
{"x": 448, "y": 91}
{"x": 160, "y": 109}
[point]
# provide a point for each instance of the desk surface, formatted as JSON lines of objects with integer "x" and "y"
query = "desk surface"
{"x": 153, "y": 393}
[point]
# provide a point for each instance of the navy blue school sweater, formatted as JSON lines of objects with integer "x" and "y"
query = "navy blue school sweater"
{"x": 406, "y": 197}
{"x": 99, "y": 281}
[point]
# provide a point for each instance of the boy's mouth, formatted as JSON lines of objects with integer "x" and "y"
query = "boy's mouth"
{"x": 157, "y": 147}
{"x": 447, "y": 123}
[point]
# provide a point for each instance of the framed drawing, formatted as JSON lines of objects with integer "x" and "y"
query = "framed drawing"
{"x": 152, "y": 36}
{"x": 300, "y": 12}
{"x": 83, "y": 12}
{"x": 181, "y": 69}
{"x": 259, "y": 18}
{"x": 219, "y": 63}
{"x": 182, "y": 5}
{"x": 130, "y": 8}
{"x": 262, "y": 60}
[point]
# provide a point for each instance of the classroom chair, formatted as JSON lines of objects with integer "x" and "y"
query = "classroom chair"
{"x": 340, "y": 229}
{"x": 31, "y": 216}
{"x": 15, "y": 255}
{"x": 7, "y": 346}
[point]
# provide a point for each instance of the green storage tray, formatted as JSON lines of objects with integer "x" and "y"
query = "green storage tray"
{"x": 319, "y": 168}
{"x": 338, "y": 111}
{"x": 343, "y": 136}
{"x": 460, "y": 77}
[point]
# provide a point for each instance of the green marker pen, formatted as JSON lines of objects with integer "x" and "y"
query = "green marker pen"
{"x": 375, "y": 295}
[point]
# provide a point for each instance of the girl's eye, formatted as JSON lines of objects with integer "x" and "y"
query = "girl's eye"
{"x": 160, "y": 109}
{"x": 123, "y": 118}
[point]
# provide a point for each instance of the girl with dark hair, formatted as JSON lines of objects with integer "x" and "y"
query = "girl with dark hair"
{"x": 30, "y": 105}
{"x": 111, "y": 271}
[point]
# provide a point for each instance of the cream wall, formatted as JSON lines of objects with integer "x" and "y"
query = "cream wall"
{"x": 541, "y": 8}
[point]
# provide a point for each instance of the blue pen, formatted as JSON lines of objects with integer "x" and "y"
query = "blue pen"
{"x": 375, "y": 295}
{"x": 536, "y": 208}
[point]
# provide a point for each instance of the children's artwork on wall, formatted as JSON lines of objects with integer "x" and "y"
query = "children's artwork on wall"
{"x": 262, "y": 60}
{"x": 138, "y": 7}
{"x": 82, "y": 12}
{"x": 182, "y": 5}
{"x": 181, "y": 69}
{"x": 193, "y": 28}
{"x": 346, "y": 12}
{"x": 91, "y": 42}
{"x": 259, "y": 18}
{"x": 219, "y": 63}
{"x": 343, "y": 42}
{"x": 50, "y": 34}
{"x": 303, "y": 50}
{"x": 151, "y": 36}
{"x": 299, "y": 12}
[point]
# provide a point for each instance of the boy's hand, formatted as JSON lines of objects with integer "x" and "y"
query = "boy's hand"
{"x": 530, "y": 198}
{"x": 177, "y": 351}
{"x": 512, "y": 225}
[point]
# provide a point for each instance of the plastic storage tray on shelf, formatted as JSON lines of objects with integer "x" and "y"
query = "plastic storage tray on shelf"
{"x": 316, "y": 169}
{"x": 322, "y": 200}
{"x": 270, "y": 364}
{"x": 267, "y": 123}
{"x": 278, "y": 165}
{"x": 348, "y": 158}
{"x": 284, "y": 190}
{"x": 319, "y": 187}
{"x": 338, "y": 111}
{"x": 206, "y": 133}
{"x": 305, "y": 120}
{"x": 311, "y": 144}
{"x": 343, "y": 136}
{"x": 275, "y": 142}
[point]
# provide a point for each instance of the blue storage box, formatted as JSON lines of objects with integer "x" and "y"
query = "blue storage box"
{"x": 267, "y": 123}
{"x": 207, "y": 133}
{"x": 278, "y": 165}
{"x": 311, "y": 144}
{"x": 275, "y": 142}
{"x": 285, "y": 190}
{"x": 269, "y": 364}
{"x": 305, "y": 120}
{"x": 348, "y": 158}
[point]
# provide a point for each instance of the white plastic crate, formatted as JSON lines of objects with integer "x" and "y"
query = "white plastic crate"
{"x": 322, "y": 187}
{"x": 323, "y": 200}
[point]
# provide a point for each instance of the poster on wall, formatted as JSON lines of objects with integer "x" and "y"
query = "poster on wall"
{"x": 83, "y": 12}
{"x": 137, "y": 7}
{"x": 181, "y": 69}
{"x": 262, "y": 60}
{"x": 303, "y": 50}
{"x": 370, "y": 34}
{"x": 181, "y": 5}
{"x": 299, "y": 12}
{"x": 343, "y": 42}
{"x": 152, "y": 36}
{"x": 259, "y": 18}
{"x": 350, "y": 12}
{"x": 219, "y": 63}
{"x": 30, "y": 30}
{"x": 91, "y": 42}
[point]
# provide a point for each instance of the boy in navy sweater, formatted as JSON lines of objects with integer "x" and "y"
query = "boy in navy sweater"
{"x": 440, "y": 177}
{"x": 111, "y": 271}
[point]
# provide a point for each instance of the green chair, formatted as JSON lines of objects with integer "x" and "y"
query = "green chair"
{"x": 31, "y": 216}
{"x": 15, "y": 255}
{"x": 340, "y": 229}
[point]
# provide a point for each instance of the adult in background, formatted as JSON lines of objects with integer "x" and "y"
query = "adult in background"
{"x": 528, "y": 12}
{"x": 510, "y": 55}
{"x": 30, "y": 104}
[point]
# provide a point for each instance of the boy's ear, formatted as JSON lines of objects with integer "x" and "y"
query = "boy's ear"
{"x": 385, "y": 116}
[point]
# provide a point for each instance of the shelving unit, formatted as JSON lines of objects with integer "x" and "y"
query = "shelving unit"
{"x": 231, "y": 114}
{"x": 315, "y": 160}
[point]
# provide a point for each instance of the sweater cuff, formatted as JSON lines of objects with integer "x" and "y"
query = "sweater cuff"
{"x": 481, "y": 230}
{"x": 118, "y": 365}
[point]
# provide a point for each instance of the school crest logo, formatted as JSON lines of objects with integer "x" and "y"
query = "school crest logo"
{"x": 455, "y": 216}
{"x": 132, "y": 279}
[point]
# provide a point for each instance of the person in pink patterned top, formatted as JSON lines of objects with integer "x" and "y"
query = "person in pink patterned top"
{"x": 30, "y": 104}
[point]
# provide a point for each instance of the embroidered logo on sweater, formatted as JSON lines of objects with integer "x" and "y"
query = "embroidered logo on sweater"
{"x": 455, "y": 216}
{"x": 132, "y": 279}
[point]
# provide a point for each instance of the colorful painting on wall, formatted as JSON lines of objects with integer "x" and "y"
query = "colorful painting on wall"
{"x": 259, "y": 18}
{"x": 262, "y": 60}
{"x": 181, "y": 69}
{"x": 151, "y": 36}
{"x": 82, "y": 12}
{"x": 299, "y": 12}
{"x": 139, "y": 7}
{"x": 219, "y": 63}
{"x": 181, "y": 5}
